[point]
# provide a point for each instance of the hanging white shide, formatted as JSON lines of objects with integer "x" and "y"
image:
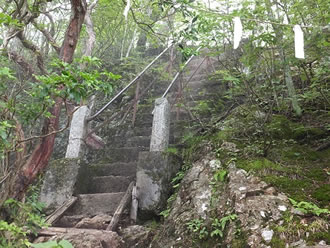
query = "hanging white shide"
{"x": 299, "y": 42}
{"x": 128, "y": 5}
{"x": 238, "y": 31}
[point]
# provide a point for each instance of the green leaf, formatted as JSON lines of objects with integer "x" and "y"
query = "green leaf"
{"x": 65, "y": 244}
{"x": 49, "y": 244}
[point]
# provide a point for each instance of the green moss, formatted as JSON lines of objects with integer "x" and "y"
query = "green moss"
{"x": 258, "y": 165}
{"x": 298, "y": 152}
{"x": 301, "y": 132}
{"x": 322, "y": 194}
{"x": 281, "y": 127}
{"x": 296, "y": 188}
{"x": 324, "y": 155}
{"x": 276, "y": 242}
{"x": 240, "y": 241}
{"x": 221, "y": 136}
{"x": 316, "y": 174}
{"x": 318, "y": 236}
{"x": 60, "y": 168}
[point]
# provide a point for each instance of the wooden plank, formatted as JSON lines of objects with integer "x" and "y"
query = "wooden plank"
{"x": 123, "y": 203}
{"x": 52, "y": 231}
{"x": 58, "y": 213}
{"x": 134, "y": 206}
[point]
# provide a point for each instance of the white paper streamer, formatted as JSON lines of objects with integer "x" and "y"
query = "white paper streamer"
{"x": 128, "y": 5}
{"x": 299, "y": 42}
{"x": 238, "y": 31}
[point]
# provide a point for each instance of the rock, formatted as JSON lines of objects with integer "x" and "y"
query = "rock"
{"x": 260, "y": 115}
{"x": 215, "y": 164}
{"x": 89, "y": 239}
{"x": 267, "y": 235}
{"x": 135, "y": 236}
{"x": 97, "y": 222}
{"x": 297, "y": 212}
{"x": 229, "y": 146}
{"x": 282, "y": 208}
{"x": 299, "y": 243}
{"x": 257, "y": 206}
{"x": 270, "y": 191}
{"x": 69, "y": 221}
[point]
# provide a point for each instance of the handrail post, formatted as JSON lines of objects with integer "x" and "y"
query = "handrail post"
{"x": 152, "y": 176}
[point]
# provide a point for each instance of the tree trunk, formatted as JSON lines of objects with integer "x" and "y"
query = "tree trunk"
{"x": 286, "y": 66}
{"x": 43, "y": 151}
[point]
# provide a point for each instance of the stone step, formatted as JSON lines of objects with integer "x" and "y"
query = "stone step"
{"x": 138, "y": 141}
{"x": 142, "y": 131}
{"x": 115, "y": 169}
{"x": 196, "y": 69}
{"x": 196, "y": 78}
{"x": 144, "y": 119}
{"x": 108, "y": 184}
{"x": 94, "y": 204}
{"x": 122, "y": 154}
{"x": 128, "y": 141}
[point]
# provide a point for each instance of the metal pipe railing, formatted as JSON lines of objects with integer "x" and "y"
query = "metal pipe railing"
{"x": 129, "y": 85}
{"x": 178, "y": 74}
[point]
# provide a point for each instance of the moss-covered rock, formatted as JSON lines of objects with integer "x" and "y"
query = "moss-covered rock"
{"x": 258, "y": 164}
{"x": 280, "y": 127}
{"x": 298, "y": 152}
{"x": 322, "y": 194}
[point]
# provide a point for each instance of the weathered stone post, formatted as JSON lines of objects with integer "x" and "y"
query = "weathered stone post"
{"x": 77, "y": 133}
{"x": 160, "y": 126}
{"x": 61, "y": 176}
{"x": 152, "y": 178}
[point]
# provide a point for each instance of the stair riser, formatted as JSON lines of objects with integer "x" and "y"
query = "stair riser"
{"x": 96, "y": 204}
{"x": 115, "y": 169}
{"x": 125, "y": 155}
{"x": 128, "y": 141}
{"x": 109, "y": 184}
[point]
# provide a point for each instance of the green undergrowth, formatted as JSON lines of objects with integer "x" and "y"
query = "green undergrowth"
{"x": 282, "y": 151}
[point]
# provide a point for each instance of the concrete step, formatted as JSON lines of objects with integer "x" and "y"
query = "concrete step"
{"x": 142, "y": 131}
{"x": 108, "y": 184}
{"x": 138, "y": 141}
{"x": 94, "y": 204}
{"x": 122, "y": 154}
{"x": 196, "y": 78}
{"x": 115, "y": 169}
{"x": 144, "y": 118}
{"x": 128, "y": 141}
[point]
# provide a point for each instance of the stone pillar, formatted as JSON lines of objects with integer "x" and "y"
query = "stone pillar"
{"x": 160, "y": 126}
{"x": 59, "y": 182}
{"x": 77, "y": 132}
{"x": 61, "y": 176}
{"x": 152, "y": 177}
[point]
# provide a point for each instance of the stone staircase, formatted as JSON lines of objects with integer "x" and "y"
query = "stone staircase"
{"x": 103, "y": 180}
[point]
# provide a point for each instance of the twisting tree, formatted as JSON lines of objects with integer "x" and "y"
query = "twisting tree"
{"x": 26, "y": 170}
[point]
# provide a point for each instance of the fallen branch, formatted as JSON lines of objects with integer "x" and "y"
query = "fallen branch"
{"x": 123, "y": 203}
{"x": 58, "y": 213}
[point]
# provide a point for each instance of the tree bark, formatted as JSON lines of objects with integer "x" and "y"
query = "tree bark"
{"x": 78, "y": 9}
